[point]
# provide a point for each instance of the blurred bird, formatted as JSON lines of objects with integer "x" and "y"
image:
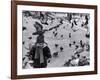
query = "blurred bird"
{"x": 56, "y": 45}
{"x": 55, "y": 54}
{"x": 23, "y": 42}
{"x": 24, "y": 28}
{"x": 61, "y": 48}
{"x": 30, "y": 38}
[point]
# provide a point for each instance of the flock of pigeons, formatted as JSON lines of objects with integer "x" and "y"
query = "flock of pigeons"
{"x": 76, "y": 59}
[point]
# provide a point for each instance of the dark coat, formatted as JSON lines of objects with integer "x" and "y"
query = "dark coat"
{"x": 46, "y": 54}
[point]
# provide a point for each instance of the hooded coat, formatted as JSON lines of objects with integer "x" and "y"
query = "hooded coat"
{"x": 37, "y": 61}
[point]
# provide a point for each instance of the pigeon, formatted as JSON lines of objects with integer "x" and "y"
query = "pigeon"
{"x": 56, "y": 45}
{"x": 24, "y": 28}
{"x": 30, "y": 38}
{"x": 23, "y": 42}
{"x": 61, "y": 48}
{"x": 61, "y": 36}
{"x": 55, "y": 54}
